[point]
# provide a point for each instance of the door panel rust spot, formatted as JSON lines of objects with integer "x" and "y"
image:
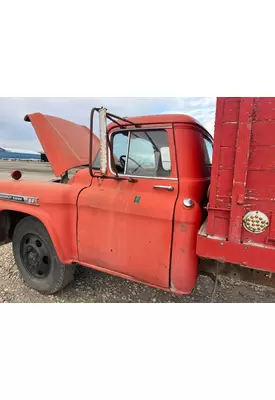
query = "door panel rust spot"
{"x": 182, "y": 228}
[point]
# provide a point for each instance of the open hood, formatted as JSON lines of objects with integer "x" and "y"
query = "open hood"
{"x": 65, "y": 143}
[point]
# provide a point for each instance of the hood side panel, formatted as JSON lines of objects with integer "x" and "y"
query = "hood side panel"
{"x": 65, "y": 143}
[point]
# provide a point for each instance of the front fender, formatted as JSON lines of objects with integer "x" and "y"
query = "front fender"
{"x": 56, "y": 209}
{"x": 64, "y": 239}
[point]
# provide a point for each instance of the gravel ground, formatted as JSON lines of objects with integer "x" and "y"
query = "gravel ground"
{"x": 96, "y": 287}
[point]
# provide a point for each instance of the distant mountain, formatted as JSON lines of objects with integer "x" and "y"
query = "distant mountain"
{"x": 23, "y": 151}
{"x": 19, "y": 154}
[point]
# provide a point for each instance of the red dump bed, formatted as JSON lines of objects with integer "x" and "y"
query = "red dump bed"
{"x": 243, "y": 180}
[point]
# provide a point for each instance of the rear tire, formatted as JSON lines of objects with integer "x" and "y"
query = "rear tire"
{"x": 36, "y": 258}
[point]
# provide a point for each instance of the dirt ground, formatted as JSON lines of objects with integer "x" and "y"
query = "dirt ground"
{"x": 96, "y": 287}
{"x": 31, "y": 170}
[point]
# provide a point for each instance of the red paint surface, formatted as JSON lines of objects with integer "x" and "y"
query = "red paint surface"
{"x": 153, "y": 241}
{"x": 65, "y": 143}
{"x": 56, "y": 210}
{"x": 96, "y": 222}
{"x": 194, "y": 178}
{"x": 243, "y": 179}
{"x": 128, "y": 238}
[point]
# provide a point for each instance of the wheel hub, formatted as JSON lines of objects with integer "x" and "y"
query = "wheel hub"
{"x": 35, "y": 256}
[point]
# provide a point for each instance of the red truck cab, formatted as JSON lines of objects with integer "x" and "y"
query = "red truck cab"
{"x": 140, "y": 206}
{"x": 137, "y": 222}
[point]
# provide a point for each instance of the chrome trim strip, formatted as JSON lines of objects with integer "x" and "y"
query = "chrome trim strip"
{"x": 32, "y": 201}
{"x": 162, "y": 178}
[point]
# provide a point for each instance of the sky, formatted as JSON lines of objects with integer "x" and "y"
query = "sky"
{"x": 15, "y": 133}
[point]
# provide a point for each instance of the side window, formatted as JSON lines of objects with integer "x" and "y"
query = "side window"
{"x": 165, "y": 158}
{"x": 141, "y": 159}
{"x": 120, "y": 150}
{"x": 208, "y": 151}
{"x": 142, "y": 153}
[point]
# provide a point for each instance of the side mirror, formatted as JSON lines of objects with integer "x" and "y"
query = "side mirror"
{"x": 103, "y": 140}
{"x": 103, "y": 147}
{"x": 102, "y": 112}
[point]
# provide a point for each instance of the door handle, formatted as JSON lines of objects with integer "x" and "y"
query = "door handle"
{"x": 170, "y": 188}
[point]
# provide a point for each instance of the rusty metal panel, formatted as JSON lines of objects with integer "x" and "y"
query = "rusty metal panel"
{"x": 265, "y": 108}
{"x": 242, "y": 181}
{"x": 215, "y": 166}
{"x": 237, "y": 273}
{"x": 271, "y": 236}
{"x": 240, "y": 170}
{"x": 243, "y": 163}
{"x": 226, "y": 127}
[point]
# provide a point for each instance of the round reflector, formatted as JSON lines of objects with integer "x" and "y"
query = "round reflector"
{"x": 16, "y": 175}
{"x": 255, "y": 222}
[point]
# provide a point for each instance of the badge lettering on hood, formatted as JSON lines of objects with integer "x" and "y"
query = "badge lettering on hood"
{"x": 20, "y": 199}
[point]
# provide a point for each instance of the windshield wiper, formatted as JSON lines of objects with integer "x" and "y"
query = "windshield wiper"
{"x": 111, "y": 118}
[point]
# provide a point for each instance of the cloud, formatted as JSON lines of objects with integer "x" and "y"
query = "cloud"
{"x": 14, "y": 132}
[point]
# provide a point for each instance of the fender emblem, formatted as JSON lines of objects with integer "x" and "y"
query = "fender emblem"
{"x": 34, "y": 201}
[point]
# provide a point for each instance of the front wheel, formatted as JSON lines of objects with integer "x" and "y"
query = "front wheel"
{"x": 36, "y": 258}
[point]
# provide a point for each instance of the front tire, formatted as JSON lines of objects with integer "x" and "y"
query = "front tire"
{"x": 36, "y": 258}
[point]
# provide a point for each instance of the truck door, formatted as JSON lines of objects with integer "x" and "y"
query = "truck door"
{"x": 126, "y": 225}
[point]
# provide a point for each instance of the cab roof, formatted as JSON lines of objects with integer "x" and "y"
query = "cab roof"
{"x": 159, "y": 119}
